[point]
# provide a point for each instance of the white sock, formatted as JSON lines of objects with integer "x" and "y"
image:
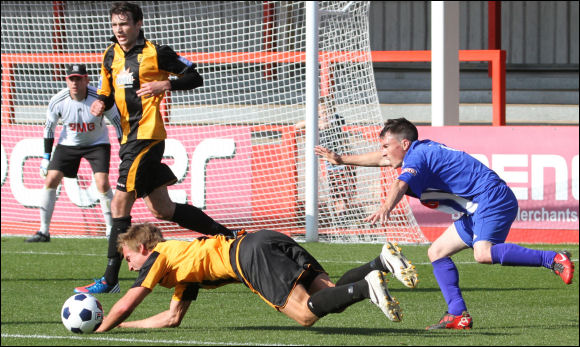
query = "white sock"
{"x": 47, "y": 202}
{"x": 106, "y": 208}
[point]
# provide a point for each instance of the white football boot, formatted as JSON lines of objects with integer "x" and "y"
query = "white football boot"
{"x": 380, "y": 296}
{"x": 394, "y": 260}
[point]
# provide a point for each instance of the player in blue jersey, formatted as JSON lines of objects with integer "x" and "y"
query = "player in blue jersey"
{"x": 452, "y": 180}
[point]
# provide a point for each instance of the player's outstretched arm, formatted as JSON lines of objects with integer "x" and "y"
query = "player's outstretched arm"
{"x": 123, "y": 308}
{"x": 166, "y": 319}
{"x": 370, "y": 159}
{"x": 395, "y": 194}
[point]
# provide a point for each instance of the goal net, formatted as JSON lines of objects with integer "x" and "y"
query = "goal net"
{"x": 235, "y": 144}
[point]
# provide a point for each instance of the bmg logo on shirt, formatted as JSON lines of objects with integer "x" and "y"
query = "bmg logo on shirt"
{"x": 81, "y": 127}
{"x": 124, "y": 79}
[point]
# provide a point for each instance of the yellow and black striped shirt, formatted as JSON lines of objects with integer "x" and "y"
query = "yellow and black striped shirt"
{"x": 123, "y": 73}
{"x": 188, "y": 266}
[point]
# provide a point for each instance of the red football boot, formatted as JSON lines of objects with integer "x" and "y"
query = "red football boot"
{"x": 449, "y": 321}
{"x": 563, "y": 266}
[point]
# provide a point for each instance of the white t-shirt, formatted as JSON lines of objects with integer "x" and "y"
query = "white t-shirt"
{"x": 79, "y": 126}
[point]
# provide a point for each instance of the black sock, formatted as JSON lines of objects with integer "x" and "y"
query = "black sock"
{"x": 192, "y": 218}
{"x": 336, "y": 299}
{"x": 120, "y": 226}
{"x": 359, "y": 273}
{"x": 112, "y": 271}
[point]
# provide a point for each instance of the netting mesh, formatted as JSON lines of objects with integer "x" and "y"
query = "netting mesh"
{"x": 233, "y": 143}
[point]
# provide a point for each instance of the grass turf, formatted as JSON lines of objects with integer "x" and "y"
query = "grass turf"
{"x": 509, "y": 305}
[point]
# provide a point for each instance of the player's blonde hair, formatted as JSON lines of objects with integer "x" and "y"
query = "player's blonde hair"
{"x": 140, "y": 234}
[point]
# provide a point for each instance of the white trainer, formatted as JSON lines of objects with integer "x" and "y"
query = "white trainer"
{"x": 394, "y": 260}
{"x": 381, "y": 297}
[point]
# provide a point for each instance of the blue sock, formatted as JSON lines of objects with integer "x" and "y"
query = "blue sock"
{"x": 514, "y": 255}
{"x": 447, "y": 276}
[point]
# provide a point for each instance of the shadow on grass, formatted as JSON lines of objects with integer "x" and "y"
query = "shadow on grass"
{"x": 338, "y": 331}
{"x": 468, "y": 289}
{"x": 243, "y": 289}
{"x": 422, "y": 333}
{"x": 7, "y": 322}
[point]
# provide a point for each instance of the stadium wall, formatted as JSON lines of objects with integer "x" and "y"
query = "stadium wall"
{"x": 540, "y": 39}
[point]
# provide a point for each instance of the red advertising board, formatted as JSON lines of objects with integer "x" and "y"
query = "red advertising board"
{"x": 194, "y": 154}
{"x": 539, "y": 163}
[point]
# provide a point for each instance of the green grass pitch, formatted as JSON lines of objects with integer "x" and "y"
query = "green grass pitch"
{"x": 509, "y": 305}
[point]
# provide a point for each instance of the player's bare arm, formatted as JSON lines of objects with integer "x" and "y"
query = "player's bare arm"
{"x": 155, "y": 88}
{"x": 97, "y": 108}
{"x": 123, "y": 308}
{"x": 166, "y": 319}
{"x": 370, "y": 159}
{"x": 395, "y": 194}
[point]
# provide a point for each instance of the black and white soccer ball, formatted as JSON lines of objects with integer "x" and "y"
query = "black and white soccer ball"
{"x": 82, "y": 313}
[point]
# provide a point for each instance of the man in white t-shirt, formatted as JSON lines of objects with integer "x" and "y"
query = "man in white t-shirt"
{"x": 83, "y": 136}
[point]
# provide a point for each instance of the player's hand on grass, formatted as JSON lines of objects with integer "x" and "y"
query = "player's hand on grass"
{"x": 329, "y": 155}
{"x": 97, "y": 108}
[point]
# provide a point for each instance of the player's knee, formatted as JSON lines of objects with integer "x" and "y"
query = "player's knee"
{"x": 162, "y": 214}
{"x": 52, "y": 182}
{"x": 433, "y": 253}
{"x": 157, "y": 214}
{"x": 303, "y": 317}
{"x": 308, "y": 320}
{"x": 481, "y": 256}
{"x": 103, "y": 187}
{"x": 482, "y": 252}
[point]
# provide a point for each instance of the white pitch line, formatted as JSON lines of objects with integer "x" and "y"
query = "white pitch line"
{"x": 118, "y": 339}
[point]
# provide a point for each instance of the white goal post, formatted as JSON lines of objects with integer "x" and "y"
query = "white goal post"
{"x": 234, "y": 143}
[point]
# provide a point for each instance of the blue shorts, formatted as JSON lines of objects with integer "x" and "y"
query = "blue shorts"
{"x": 492, "y": 220}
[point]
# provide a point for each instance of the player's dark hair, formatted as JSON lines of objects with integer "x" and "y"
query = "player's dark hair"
{"x": 140, "y": 234}
{"x": 402, "y": 128}
{"x": 125, "y": 8}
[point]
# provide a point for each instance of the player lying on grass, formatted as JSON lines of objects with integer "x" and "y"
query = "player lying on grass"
{"x": 271, "y": 264}
{"x": 445, "y": 177}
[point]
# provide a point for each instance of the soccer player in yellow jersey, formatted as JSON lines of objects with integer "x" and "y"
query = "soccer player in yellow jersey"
{"x": 269, "y": 263}
{"x": 135, "y": 75}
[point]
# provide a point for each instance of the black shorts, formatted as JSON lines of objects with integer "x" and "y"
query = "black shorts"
{"x": 141, "y": 169}
{"x": 271, "y": 264}
{"x": 67, "y": 159}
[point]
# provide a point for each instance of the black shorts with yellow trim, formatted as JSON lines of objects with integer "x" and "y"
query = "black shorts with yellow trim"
{"x": 271, "y": 264}
{"x": 67, "y": 159}
{"x": 141, "y": 170}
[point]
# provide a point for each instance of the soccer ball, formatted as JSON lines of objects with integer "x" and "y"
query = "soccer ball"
{"x": 82, "y": 313}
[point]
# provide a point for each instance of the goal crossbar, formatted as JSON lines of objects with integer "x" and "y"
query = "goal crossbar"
{"x": 496, "y": 58}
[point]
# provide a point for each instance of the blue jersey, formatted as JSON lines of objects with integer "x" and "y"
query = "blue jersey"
{"x": 445, "y": 178}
